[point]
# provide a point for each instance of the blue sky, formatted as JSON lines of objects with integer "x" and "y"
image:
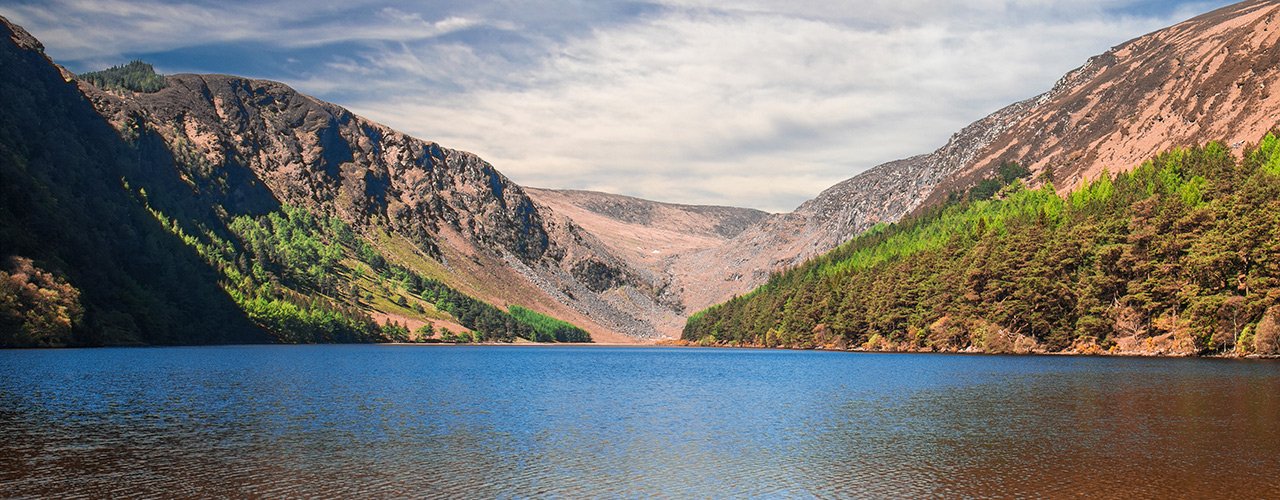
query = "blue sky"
{"x": 755, "y": 103}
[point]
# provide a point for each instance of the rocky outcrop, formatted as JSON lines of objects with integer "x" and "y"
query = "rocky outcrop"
{"x": 247, "y": 144}
{"x": 1209, "y": 78}
{"x": 626, "y": 268}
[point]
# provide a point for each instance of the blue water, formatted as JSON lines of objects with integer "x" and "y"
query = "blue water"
{"x": 634, "y": 422}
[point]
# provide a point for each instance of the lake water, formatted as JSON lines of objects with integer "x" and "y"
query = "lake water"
{"x": 636, "y": 422}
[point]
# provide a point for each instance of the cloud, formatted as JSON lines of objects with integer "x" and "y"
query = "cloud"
{"x": 762, "y": 105}
{"x": 753, "y": 108}
{"x": 112, "y": 27}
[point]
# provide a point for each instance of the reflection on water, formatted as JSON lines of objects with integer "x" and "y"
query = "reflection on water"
{"x": 595, "y": 421}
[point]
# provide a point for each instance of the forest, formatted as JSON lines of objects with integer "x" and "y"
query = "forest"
{"x": 136, "y": 76}
{"x": 81, "y": 263}
{"x": 300, "y": 275}
{"x": 1180, "y": 256}
{"x": 548, "y": 329}
{"x": 116, "y": 237}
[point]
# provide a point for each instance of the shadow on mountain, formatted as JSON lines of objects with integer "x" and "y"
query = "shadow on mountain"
{"x": 71, "y": 200}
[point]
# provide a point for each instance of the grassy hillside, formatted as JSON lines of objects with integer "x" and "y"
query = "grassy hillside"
{"x": 114, "y": 236}
{"x": 310, "y": 278}
{"x": 1180, "y": 256}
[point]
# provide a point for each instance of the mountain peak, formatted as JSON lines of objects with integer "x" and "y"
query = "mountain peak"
{"x": 1208, "y": 78}
{"x": 20, "y": 36}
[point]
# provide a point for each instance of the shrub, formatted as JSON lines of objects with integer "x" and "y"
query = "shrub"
{"x": 36, "y": 307}
{"x": 424, "y": 332}
{"x": 1266, "y": 339}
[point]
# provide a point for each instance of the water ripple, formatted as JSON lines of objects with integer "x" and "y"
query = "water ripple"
{"x": 447, "y": 422}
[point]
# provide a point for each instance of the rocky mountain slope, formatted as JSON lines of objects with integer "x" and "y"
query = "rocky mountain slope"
{"x": 628, "y": 269}
{"x": 445, "y": 212}
{"x": 1172, "y": 258}
{"x": 1209, "y": 78}
{"x": 81, "y": 262}
{"x": 202, "y": 152}
{"x": 1213, "y": 77}
{"x": 653, "y": 237}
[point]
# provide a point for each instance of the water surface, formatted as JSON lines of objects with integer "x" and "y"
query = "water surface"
{"x": 598, "y": 421}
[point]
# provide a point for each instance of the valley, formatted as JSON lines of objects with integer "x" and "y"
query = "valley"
{"x": 203, "y": 163}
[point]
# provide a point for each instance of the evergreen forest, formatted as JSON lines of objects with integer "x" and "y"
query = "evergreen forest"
{"x": 1180, "y": 256}
{"x": 136, "y": 76}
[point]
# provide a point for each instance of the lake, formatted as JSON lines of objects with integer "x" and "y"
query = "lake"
{"x": 496, "y": 421}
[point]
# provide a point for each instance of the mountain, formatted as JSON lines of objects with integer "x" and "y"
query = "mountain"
{"x": 1170, "y": 257}
{"x": 652, "y": 238}
{"x": 83, "y": 262}
{"x": 309, "y": 218}
{"x": 1176, "y": 257}
{"x": 1209, "y": 78}
{"x": 289, "y": 211}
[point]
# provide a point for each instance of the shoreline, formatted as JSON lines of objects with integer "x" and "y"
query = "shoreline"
{"x": 1068, "y": 353}
{"x": 510, "y": 344}
{"x": 688, "y": 345}
{"x": 677, "y": 345}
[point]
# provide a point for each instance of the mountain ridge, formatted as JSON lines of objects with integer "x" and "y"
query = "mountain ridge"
{"x": 629, "y": 269}
{"x": 1039, "y": 132}
{"x": 450, "y": 205}
{"x": 83, "y": 263}
{"x": 205, "y": 151}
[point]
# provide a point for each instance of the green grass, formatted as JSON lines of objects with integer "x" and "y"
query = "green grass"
{"x": 549, "y": 329}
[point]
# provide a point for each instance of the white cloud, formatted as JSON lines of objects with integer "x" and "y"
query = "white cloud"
{"x": 80, "y": 29}
{"x": 761, "y": 109}
{"x": 761, "y": 105}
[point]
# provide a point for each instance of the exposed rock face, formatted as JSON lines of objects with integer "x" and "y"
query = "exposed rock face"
{"x": 248, "y": 143}
{"x": 626, "y": 268}
{"x": 1210, "y": 78}
{"x": 1213, "y": 77}
{"x": 20, "y": 38}
{"x": 316, "y": 154}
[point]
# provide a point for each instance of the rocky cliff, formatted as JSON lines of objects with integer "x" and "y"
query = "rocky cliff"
{"x": 247, "y": 143}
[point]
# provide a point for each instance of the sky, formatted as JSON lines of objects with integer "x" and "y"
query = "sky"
{"x": 754, "y": 103}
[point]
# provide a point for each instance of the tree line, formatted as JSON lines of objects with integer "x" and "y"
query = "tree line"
{"x": 296, "y": 276}
{"x": 136, "y": 76}
{"x": 1180, "y": 255}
